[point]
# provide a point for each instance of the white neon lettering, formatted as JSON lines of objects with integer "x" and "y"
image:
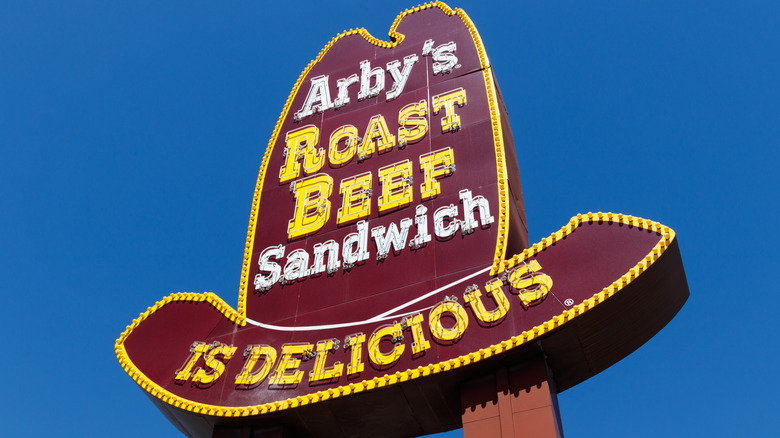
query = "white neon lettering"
{"x": 264, "y": 282}
{"x": 366, "y": 73}
{"x": 318, "y": 99}
{"x": 400, "y": 77}
{"x": 393, "y": 237}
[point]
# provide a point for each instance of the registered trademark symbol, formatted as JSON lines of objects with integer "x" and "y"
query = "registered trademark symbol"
{"x": 568, "y": 302}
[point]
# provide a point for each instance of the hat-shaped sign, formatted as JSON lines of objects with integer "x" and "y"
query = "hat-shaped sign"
{"x": 376, "y": 258}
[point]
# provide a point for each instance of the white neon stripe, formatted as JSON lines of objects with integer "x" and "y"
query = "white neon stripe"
{"x": 314, "y": 327}
{"x": 434, "y": 292}
{"x": 381, "y": 317}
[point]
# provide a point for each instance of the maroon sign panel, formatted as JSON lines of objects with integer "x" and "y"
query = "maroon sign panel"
{"x": 383, "y": 182}
{"x": 376, "y": 256}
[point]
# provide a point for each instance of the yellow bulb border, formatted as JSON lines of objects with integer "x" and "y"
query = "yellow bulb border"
{"x": 667, "y": 237}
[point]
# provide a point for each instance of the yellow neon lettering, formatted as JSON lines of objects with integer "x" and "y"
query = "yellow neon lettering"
{"x": 196, "y": 351}
{"x": 493, "y": 288}
{"x": 435, "y": 165}
{"x": 339, "y": 157}
{"x": 356, "y": 192}
{"x": 396, "y": 184}
{"x": 247, "y": 376}
{"x": 287, "y": 372}
{"x": 216, "y": 365}
{"x": 312, "y": 208}
{"x": 376, "y": 130}
{"x": 356, "y": 342}
{"x": 451, "y": 121}
{"x": 413, "y": 123}
{"x": 531, "y": 284}
{"x": 376, "y": 355}
{"x": 453, "y": 333}
{"x": 320, "y": 372}
{"x": 419, "y": 344}
{"x": 300, "y": 144}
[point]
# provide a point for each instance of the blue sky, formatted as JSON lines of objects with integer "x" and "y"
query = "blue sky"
{"x": 131, "y": 135}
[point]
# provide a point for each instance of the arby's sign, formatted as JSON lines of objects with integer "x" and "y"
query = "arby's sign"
{"x": 387, "y": 241}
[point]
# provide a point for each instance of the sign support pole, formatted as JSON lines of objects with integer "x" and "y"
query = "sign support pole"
{"x": 515, "y": 402}
{"x": 249, "y": 432}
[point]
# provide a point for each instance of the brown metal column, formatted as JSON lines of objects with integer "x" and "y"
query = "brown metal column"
{"x": 249, "y": 432}
{"x": 515, "y": 402}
